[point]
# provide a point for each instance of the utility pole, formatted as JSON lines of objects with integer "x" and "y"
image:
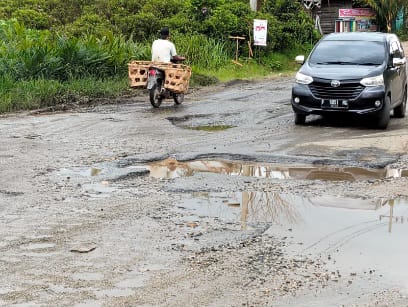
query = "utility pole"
{"x": 255, "y": 4}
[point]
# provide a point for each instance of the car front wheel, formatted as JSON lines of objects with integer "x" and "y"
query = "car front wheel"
{"x": 384, "y": 116}
{"x": 300, "y": 119}
{"x": 399, "y": 111}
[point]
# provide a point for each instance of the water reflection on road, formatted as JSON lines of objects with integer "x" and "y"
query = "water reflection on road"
{"x": 358, "y": 234}
{"x": 171, "y": 168}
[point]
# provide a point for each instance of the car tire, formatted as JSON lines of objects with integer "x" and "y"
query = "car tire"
{"x": 399, "y": 111}
{"x": 300, "y": 119}
{"x": 384, "y": 116}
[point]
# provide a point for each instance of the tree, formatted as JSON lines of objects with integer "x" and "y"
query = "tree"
{"x": 387, "y": 10}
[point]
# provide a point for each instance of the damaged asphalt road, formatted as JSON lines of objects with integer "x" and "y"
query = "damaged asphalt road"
{"x": 221, "y": 201}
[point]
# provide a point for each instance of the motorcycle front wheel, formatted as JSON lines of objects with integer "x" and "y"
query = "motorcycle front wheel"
{"x": 154, "y": 95}
{"x": 178, "y": 98}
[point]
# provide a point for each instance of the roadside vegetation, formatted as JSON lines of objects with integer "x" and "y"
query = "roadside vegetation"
{"x": 58, "y": 52}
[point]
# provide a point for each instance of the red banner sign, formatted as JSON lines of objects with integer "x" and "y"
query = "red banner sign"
{"x": 356, "y": 13}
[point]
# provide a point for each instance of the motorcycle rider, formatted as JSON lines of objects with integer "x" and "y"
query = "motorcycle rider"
{"x": 163, "y": 50}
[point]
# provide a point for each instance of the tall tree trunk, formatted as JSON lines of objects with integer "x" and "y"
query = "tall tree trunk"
{"x": 389, "y": 26}
{"x": 389, "y": 22}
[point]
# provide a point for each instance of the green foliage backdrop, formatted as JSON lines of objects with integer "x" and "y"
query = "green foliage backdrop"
{"x": 141, "y": 19}
{"x": 48, "y": 47}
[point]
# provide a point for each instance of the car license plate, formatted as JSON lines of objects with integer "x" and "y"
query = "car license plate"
{"x": 334, "y": 104}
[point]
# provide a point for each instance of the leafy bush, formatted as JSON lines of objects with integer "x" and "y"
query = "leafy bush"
{"x": 202, "y": 51}
{"x": 89, "y": 24}
{"x": 154, "y": 15}
{"x": 295, "y": 25}
{"x": 28, "y": 54}
{"x": 142, "y": 19}
{"x": 32, "y": 18}
{"x": 230, "y": 18}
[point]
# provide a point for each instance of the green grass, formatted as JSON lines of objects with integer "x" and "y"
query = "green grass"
{"x": 245, "y": 72}
{"x": 250, "y": 70}
{"x": 98, "y": 88}
{"x": 233, "y": 72}
{"x": 41, "y": 93}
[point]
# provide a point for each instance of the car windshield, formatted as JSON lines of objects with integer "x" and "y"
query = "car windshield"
{"x": 348, "y": 53}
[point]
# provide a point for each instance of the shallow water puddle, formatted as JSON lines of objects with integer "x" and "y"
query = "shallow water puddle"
{"x": 98, "y": 190}
{"x": 37, "y": 246}
{"x": 356, "y": 234}
{"x": 278, "y": 209}
{"x": 171, "y": 168}
{"x": 80, "y": 171}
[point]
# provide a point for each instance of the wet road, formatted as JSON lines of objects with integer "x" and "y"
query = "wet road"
{"x": 83, "y": 223}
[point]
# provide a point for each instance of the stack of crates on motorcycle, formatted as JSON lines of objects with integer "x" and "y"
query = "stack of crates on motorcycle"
{"x": 137, "y": 71}
{"x": 177, "y": 76}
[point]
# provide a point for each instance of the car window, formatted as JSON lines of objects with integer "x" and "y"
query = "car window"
{"x": 348, "y": 52}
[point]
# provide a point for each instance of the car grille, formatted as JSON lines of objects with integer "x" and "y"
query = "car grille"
{"x": 349, "y": 90}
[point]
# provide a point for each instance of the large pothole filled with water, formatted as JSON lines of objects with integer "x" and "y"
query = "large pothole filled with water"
{"x": 171, "y": 168}
{"x": 358, "y": 235}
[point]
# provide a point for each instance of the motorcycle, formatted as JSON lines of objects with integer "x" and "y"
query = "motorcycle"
{"x": 155, "y": 84}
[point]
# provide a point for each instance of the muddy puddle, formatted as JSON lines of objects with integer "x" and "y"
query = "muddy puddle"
{"x": 171, "y": 168}
{"x": 361, "y": 236}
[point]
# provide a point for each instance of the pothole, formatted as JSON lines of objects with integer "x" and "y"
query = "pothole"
{"x": 268, "y": 207}
{"x": 355, "y": 234}
{"x": 38, "y": 246}
{"x": 212, "y": 128}
{"x": 104, "y": 171}
{"x": 207, "y": 122}
{"x": 11, "y": 193}
{"x": 171, "y": 168}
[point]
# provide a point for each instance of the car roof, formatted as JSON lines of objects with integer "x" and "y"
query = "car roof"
{"x": 358, "y": 36}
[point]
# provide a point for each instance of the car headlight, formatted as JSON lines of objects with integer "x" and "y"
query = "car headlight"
{"x": 373, "y": 81}
{"x": 303, "y": 79}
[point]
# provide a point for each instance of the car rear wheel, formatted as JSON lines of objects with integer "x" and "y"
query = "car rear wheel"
{"x": 300, "y": 119}
{"x": 399, "y": 111}
{"x": 384, "y": 116}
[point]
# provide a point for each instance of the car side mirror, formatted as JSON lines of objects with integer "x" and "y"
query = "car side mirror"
{"x": 396, "y": 62}
{"x": 300, "y": 59}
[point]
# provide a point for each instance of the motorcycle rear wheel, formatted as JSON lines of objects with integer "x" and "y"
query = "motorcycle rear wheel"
{"x": 154, "y": 95}
{"x": 178, "y": 98}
